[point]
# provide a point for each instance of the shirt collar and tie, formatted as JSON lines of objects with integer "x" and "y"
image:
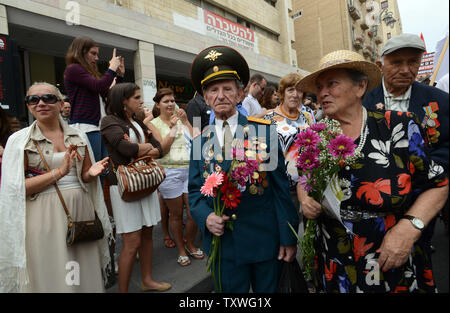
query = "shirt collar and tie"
{"x": 228, "y": 128}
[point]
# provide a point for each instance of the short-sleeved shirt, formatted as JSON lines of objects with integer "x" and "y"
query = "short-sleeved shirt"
{"x": 251, "y": 105}
{"x": 178, "y": 155}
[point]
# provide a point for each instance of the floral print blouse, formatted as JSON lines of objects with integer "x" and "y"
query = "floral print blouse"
{"x": 287, "y": 130}
{"x": 394, "y": 170}
{"x": 386, "y": 181}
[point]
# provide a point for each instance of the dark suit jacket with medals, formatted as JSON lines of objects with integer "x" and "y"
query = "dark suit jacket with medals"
{"x": 423, "y": 96}
{"x": 262, "y": 219}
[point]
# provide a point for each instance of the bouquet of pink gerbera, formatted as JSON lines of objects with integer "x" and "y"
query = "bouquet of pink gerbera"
{"x": 225, "y": 189}
{"x": 323, "y": 151}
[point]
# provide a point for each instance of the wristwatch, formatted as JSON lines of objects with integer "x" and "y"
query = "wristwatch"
{"x": 415, "y": 221}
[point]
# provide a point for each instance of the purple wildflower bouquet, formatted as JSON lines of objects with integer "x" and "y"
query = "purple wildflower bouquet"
{"x": 323, "y": 151}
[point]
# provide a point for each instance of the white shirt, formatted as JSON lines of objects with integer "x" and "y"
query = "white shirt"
{"x": 400, "y": 103}
{"x": 251, "y": 105}
{"x": 87, "y": 128}
{"x": 443, "y": 83}
{"x": 232, "y": 121}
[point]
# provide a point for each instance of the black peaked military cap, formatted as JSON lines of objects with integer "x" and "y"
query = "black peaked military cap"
{"x": 218, "y": 63}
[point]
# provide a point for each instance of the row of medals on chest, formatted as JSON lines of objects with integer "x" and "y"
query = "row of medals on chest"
{"x": 253, "y": 149}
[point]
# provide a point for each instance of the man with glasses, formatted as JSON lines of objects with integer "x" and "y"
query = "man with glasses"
{"x": 256, "y": 90}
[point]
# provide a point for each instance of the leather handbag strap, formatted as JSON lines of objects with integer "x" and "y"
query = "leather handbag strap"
{"x": 56, "y": 186}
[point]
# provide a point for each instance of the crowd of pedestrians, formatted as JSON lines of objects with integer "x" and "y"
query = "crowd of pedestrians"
{"x": 69, "y": 157}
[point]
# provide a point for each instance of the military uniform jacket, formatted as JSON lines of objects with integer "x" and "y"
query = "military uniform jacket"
{"x": 262, "y": 219}
{"x": 424, "y": 99}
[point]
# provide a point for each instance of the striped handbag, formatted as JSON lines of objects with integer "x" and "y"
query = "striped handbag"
{"x": 139, "y": 178}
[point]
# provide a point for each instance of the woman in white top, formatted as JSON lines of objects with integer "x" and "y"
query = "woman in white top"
{"x": 126, "y": 139}
{"x": 176, "y": 131}
{"x": 34, "y": 256}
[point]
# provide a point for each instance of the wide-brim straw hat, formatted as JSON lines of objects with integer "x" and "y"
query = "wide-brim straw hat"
{"x": 342, "y": 59}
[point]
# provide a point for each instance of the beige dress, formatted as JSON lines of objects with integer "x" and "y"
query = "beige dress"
{"x": 52, "y": 266}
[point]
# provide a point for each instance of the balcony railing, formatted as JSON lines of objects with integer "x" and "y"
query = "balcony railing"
{"x": 364, "y": 25}
{"x": 358, "y": 42}
{"x": 367, "y": 51}
{"x": 354, "y": 11}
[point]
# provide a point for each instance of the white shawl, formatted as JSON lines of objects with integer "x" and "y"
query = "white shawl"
{"x": 13, "y": 260}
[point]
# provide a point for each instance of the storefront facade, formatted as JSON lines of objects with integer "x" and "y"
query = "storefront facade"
{"x": 158, "y": 39}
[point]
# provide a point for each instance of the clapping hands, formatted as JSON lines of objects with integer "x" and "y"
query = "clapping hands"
{"x": 182, "y": 116}
{"x": 67, "y": 162}
{"x": 97, "y": 168}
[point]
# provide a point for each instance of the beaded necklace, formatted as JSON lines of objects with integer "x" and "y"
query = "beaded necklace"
{"x": 364, "y": 132}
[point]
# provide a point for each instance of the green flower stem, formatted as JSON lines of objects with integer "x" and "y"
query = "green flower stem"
{"x": 307, "y": 248}
{"x": 307, "y": 242}
{"x": 220, "y": 258}
{"x": 215, "y": 247}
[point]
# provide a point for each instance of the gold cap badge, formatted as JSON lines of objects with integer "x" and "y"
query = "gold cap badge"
{"x": 213, "y": 55}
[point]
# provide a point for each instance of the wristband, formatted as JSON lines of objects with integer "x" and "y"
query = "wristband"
{"x": 160, "y": 151}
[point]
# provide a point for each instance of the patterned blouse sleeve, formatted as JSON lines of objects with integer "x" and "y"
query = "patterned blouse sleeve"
{"x": 425, "y": 173}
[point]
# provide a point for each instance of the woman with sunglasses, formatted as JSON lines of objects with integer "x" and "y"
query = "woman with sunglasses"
{"x": 88, "y": 90}
{"x": 126, "y": 139}
{"x": 34, "y": 256}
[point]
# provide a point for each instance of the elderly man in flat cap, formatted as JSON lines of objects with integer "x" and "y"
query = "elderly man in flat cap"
{"x": 400, "y": 61}
{"x": 250, "y": 250}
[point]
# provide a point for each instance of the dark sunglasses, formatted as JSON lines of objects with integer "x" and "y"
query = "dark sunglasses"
{"x": 48, "y": 99}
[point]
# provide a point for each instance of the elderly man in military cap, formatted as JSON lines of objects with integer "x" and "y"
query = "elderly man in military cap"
{"x": 401, "y": 57}
{"x": 261, "y": 237}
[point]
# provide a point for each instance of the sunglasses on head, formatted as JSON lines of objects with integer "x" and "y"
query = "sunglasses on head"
{"x": 48, "y": 99}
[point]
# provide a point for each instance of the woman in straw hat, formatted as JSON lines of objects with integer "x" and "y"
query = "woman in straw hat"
{"x": 384, "y": 210}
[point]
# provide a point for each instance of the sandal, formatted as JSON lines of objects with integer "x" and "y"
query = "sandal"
{"x": 169, "y": 243}
{"x": 198, "y": 254}
{"x": 183, "y": 260}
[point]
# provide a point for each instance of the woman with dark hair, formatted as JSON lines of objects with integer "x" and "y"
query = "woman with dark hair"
{"x": 269, "y": 98}
{"x": 87, "y": 89}
{"x": 175, "y": 130}
{"x": 127, "y": 138}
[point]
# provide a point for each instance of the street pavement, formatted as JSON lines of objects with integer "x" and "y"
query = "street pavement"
{"x": 194, "y": 278}
{"x": 440, "y": 258}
